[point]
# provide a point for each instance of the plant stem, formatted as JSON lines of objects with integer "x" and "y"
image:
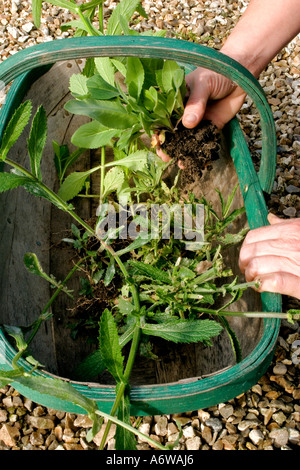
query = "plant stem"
{"x": 124, "y": 384}
{"x": 89, "y": 27}
{"x": 228, "y": 313}
{"x": 101, "y": 18}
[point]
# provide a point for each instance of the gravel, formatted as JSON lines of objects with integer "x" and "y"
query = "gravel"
{"x": 268, "y": 415}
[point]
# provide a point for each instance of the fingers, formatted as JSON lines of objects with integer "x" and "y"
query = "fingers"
{"x": 263, "y": 265}
{"x": 162, "y": 155}
{"x": 279, "y": 229}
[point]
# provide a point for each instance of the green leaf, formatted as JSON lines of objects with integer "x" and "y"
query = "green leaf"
{"x": 93, "y": 135}
{"x": 15, "y": 128}
{"x": 9, "y": 376}
{"x": 113, "y": 179}
{"x": 11, "y": 181}
{"x": 124, "y": 438}
{"x": 135, "y": 76}
{"x": 151, "y": 272}
{"x": 63, "y": 159}
{"x": 109, "y": 113}
{"x": 65, "y": 4}
{"x": 169, "y": 71}
{"x": 91, "y": 4}
{"x": 110, "y": 272}
{"x": 18, "y": 335}
{"x": 105, "y": 68}
{"x": 78, "y": 86}
{"x": 109, "y": 346}
{"x": 125, "y": 8}
{"x": 93, "y": 364}
{"x": 37, "y": 140}
{"x": 184, "y": 331}
{"x": 137, "y": 243}
{"x": 62, "y": 390}
{"x": 37, "y": 12}
{"x": 73, "y": 184}
{"x": 100, "y": 89}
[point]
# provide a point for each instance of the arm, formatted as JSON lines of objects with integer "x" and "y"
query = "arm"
{"x": 263, "y": 30}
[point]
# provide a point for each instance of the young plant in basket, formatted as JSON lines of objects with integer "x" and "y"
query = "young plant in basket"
{"x": 155, "y": 299}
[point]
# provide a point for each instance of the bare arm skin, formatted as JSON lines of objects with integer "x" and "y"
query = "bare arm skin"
{"x": 263, "y": 30}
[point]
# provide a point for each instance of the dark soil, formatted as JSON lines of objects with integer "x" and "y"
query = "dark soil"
{"x": 196, "y": 149}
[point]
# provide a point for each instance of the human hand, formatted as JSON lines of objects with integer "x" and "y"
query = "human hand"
{"x": 212, "y": 97}
{"x": 271, "y": 255}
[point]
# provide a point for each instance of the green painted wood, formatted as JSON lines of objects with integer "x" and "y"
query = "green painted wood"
{"x": 194, "y": 393}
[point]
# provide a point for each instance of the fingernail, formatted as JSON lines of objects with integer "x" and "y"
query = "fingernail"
{"x": 190, "y": 118}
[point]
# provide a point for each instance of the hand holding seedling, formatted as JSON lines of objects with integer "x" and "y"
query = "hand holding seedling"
{"x": 272, "y": 255}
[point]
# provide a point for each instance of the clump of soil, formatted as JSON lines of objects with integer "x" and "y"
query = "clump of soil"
{"x": 195, "y": 148}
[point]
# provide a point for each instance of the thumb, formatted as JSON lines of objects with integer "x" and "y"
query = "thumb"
{"x": 273, "y": 219}
{"x": 195, "y": 106}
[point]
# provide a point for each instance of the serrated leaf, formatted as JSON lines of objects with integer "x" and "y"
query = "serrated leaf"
{"x": 109, "y": 346}
{"x": 72, "y": 185}
{"x": 78, "y": 86}
{"x": 151, "y": 272}
{"x": 61, "y": 390}
{"x": 37, "y": 140}
{"x": 93, "y": 135}
{"x": 15, "y": 128}
{"x": 100, "y": 89}
{"x": 184, "y": 331}
{"x": 11, "y": 181}
{"x": 105, "y": 68}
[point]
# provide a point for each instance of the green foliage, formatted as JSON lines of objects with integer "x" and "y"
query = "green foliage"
{"x": 168, "y": 290}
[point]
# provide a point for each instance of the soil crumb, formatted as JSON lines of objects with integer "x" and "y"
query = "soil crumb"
{"x": 195, "y": 148}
